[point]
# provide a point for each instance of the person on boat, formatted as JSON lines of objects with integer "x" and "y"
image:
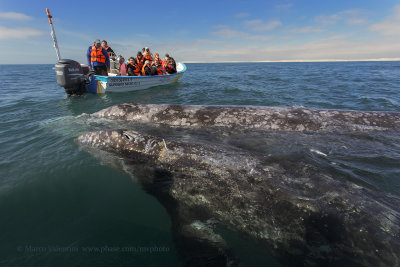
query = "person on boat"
{"x": 146, "y": 51}
{"x": 106, "y": 47}
{"x": 156, "y": 69}
{"x": 146, "y": 70}
{"x": 158, "y": 59}
{"x": 122, "y": 67}
{"x": 147, "y": 55}
{"x": 140, "y": 59}
{"x": 132, "y": 68}
{"x": 169, "y": 64}
{"x": 98, "y": 59}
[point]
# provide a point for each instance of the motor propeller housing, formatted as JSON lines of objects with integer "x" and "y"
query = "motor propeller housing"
{"x": 72, "y": 76}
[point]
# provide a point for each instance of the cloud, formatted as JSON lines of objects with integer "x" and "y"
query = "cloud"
{"x": 258, "y": 37}
{"x": 390, "y": 25}
{"x": 14, "y": 16}
{"x": 75, "y": 35}
{"x": 241, "y": 15}
{"x": 306, "y": 29}
{"x": 328, "y": 19}
{"x": 259, "y": 25}
{"x": 201, "y": 42}
{"x": 226, "y": 33}
{"x": 18, "y": 33}
{"x": 350, "y": 16}
{"x": 356, "y": 21}
{"x": 338, "y": 49}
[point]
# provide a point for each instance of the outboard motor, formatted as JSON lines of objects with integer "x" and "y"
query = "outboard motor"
{"x": 72, "y": 76}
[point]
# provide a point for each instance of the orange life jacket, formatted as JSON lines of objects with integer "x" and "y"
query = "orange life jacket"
{"x": 136, "y": 69}
{"x": 159, "y": 70}
{"x": 148, "y": 58}
{"x": 140, "y": 62}
{"x": 97, "y": 55}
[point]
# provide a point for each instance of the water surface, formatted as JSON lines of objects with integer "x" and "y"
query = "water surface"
{"x": 60, "y": 206}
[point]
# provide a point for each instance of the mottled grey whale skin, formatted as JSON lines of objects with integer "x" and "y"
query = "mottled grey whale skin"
{"x": 295, "y": 212}
{"x": 251, "y": 117}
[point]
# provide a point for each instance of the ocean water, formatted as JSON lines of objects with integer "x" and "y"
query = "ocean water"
{"x": 59, "y": 206}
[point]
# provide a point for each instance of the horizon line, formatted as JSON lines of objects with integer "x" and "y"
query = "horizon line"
{"x": 299, "y": 60}
{"x": 259, "y": 61}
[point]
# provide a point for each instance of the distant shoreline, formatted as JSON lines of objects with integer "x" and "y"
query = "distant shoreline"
{"x": 304, "y": 60}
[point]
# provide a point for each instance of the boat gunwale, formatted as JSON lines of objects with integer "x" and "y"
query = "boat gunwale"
{"x": 106, "y": 78}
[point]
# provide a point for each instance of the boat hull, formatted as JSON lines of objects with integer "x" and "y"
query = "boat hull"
{"x": 104, "y": 84}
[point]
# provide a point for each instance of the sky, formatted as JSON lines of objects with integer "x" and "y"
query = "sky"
{"x": 203, "y": 31}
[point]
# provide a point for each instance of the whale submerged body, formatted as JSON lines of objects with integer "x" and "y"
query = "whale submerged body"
{"x": 251, "y": 117}
{"x": 295, "y": 210}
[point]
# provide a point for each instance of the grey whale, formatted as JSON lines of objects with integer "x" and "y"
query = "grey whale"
{"x": 250, "y": 117}
{"x": 292, "y": 210}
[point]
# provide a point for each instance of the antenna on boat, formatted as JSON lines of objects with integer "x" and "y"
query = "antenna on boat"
{"x": 53, "y": 34}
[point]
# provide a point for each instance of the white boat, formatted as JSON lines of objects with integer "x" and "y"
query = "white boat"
{"x": 113, "y": 83}
{"x": 77, "y": 79}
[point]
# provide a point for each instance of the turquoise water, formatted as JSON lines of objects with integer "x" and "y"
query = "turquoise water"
{"x": 60, "y": 206}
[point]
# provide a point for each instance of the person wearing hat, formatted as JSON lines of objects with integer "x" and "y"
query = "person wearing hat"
{"x": 98, "y": 59}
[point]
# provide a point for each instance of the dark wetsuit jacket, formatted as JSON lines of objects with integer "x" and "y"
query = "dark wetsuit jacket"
{"x": 110, "y": 51}
{"x": 147, "y": 70}
{"x": 130, "y": 69}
